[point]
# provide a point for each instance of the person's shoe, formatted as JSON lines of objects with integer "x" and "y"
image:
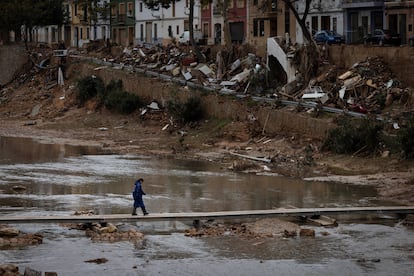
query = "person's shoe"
{"x": 146, "y": 213}
{"x": 134, "y": 214}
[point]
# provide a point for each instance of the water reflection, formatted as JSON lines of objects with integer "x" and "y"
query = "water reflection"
{"x": 27, "y": 150}
{"x": 57, "y": 181}
{"x": 60, "y": 178}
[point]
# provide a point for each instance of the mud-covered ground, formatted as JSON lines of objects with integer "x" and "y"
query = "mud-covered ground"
{"x": 51, "y": 114}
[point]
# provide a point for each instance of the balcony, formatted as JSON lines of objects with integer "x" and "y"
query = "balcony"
{"x": 355, "y": 4}
{"x": 217, "y": 11}
{"x": 121, "y": 18}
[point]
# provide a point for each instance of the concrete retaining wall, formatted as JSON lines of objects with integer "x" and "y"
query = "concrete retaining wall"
{"x": 277, "y": 121}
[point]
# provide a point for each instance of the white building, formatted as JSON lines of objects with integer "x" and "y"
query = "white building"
{"x": 162, "y": 25}
{"x": 323, "y": 15}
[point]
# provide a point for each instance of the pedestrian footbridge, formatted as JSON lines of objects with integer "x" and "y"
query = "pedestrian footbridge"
{"x": 196, "y": 216}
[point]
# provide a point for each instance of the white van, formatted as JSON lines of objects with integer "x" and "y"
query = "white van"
{"x": 185, "y": 37}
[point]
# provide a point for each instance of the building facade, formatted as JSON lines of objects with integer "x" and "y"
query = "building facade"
{"x": 322, "y": 15}
{"x": 399, "y": 15}
{"x": 269, "y": 19}
{"x": 163, "y": 25}
{"x": 361, "y": 18}
{"x": 122, "y": 20}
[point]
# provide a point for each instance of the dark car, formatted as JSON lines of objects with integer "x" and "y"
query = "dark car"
{"x": 382, "y": 37}
{"x": 329, "y": 37}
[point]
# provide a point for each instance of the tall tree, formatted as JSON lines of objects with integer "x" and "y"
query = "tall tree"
{"x": 15, "y": 14}
{"x": 308, "y": 58}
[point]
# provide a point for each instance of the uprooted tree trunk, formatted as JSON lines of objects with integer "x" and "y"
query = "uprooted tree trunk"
{"x": 196, "y": 49}
{"x": 308, "y": 56}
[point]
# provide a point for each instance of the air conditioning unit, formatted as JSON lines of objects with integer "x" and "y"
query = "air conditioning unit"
{"x": 317, "y": 6}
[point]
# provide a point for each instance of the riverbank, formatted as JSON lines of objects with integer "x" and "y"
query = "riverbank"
{"x": 52, "y": 115}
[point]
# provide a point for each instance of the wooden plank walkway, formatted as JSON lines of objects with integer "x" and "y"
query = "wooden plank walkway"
{"x": 211, "y": 215}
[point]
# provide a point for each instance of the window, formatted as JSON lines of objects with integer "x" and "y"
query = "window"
{"x": 206, "y": 30}
{"x": 142, "y": 32}
{"x": 87, "y": 33}
{"x": 274, "y": 5}
{"x": 255, "y": 27}
{"x": 122, "y": 8}
{"x": 315, "y": 25}
{"x": 130, "y": 9}
{"x": 155, "y": 31}
{"x": 261, "y": 28}
{"x": 170, "y": 32}
{"x": 140, "y": 7}
{"x": 240, "y": 4}
{"x": 113, "y": 11}
{"x": 334, "y": 24}
{"x": 287, "y": 19}
{"x": 76, "y": 10}
{"x": 258, "y": 28}
{"x": 178, "y": 29}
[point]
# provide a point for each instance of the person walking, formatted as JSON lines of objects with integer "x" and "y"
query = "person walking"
{"x": 138, "y": 201}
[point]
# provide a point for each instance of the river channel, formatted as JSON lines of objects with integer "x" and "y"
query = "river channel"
{"x": 54, "y": 179}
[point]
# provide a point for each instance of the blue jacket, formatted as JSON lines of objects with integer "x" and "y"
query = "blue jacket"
{"x": 137, "y": 194}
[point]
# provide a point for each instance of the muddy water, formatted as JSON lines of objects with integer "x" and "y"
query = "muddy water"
{"x": 59, "y": 179}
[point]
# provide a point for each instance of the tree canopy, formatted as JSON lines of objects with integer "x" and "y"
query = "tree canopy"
{"x": 17, "y": 13}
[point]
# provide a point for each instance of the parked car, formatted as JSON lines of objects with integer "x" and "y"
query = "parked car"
{"x": 184, "y": 38}
{"x": 382, "y": 37}
{"x": 329, "y": 37}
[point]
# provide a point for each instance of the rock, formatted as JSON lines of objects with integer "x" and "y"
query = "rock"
{"x": 19, "y": 189}
{"x": 97, "y": 261}
{"x": 289, "y": 234}
{"x": 9, "y": 232}
{"x": 305, "y": 232}
{"x": 9, "y": 269}
{"x": 31, "y": 272}
{"x": 389, "y": 99}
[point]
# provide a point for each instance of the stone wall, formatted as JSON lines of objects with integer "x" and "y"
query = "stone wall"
{"x": 399, "y": 59}
{"x": 12, "y": 58}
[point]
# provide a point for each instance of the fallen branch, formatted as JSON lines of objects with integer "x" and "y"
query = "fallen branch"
{"x": 262, "y": 159}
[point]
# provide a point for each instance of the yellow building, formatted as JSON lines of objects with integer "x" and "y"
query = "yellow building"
{"x": 269, "y": 19}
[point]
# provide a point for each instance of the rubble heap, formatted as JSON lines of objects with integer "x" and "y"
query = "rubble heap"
{"x": 106, "y": 231}
{"x": 12, "y": 237}
{"x": 367, "y": 87}
{"x": 219, "y": 70}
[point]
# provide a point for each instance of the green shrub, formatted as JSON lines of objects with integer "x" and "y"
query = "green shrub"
{"x": 88, "y": 88}
{"x": 112, "y": 96}
{"x": 122, "y": 101}
{"x": 406, "y": 138}
{"x": 354, "y": 135}
{"x": 190, "y": 111}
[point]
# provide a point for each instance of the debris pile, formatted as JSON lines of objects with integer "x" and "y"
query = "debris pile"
{"x": 227, "y": 72}
{"x": 264, "y": 228}
{"x": 106, "y": 231}
{"x": 12, "y": 237}
{"x": 366, "y": 87}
